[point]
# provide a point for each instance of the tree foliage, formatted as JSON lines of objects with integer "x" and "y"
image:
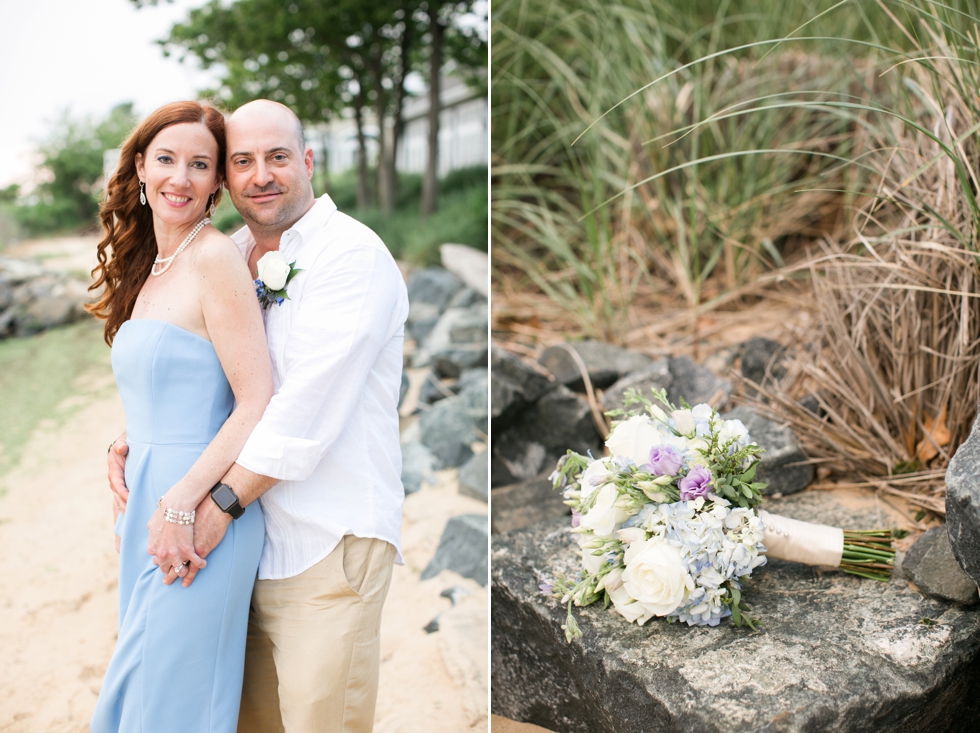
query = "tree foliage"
{"x": 71, "y": 166}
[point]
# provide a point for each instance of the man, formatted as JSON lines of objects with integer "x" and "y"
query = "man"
{"x": 325, "y": 458}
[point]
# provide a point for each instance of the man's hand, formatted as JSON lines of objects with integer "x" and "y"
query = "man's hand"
{"x": 210, "y": 525}
{"x": 117, "y": 472}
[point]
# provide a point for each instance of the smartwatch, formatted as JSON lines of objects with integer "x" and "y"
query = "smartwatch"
{"x": 227, "y": 500}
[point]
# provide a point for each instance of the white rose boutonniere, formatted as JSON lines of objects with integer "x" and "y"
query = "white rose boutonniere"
{"x": 272, "y": 276}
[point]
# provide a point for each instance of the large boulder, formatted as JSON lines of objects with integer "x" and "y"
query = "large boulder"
{"x": 695, "y": 384}
{"x": 930, "y": 564}
{"x": 963, "y": 503}
{"x": 470, "y": 265}
{"x": 418, "y": 464}
{"x": 457, "y": 342}
{"x": 604, "y": 363}
{"x": 559, "y": 421}
{"x": 655, "y": 376}
{"x": 514, "y": 386}
{"x": 430, "y": 292}
{"x": 462, "y": 549}
{"x": 837, "y": 654}
{"x": 783, "y": 465}
{"x": 33, "y": 299}
{"x": 521, "y": 505}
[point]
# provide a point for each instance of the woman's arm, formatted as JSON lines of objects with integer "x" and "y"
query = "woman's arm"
{"x": 234, "y": 323}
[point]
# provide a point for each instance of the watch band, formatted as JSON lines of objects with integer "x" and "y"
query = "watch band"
{"x": 227, "y": 500}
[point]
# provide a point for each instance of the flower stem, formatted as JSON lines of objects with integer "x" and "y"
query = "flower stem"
{"x": 868, "y": 554}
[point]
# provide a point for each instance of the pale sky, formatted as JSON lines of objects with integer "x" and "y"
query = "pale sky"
{"x": 87, "y": 56}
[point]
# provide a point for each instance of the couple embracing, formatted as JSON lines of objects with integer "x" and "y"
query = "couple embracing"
{"x": 262, "y": 433}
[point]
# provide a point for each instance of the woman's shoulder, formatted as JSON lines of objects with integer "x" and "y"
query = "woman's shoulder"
{"x": 215, "y": 249}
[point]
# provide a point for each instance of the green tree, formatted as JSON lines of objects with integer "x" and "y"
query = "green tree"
{"x": 71, "y": 170}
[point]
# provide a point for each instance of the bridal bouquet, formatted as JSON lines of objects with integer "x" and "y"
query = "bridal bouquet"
{"x": 669, "y": 522}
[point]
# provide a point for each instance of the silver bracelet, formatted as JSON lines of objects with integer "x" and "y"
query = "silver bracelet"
{"x": 177, "y": 517}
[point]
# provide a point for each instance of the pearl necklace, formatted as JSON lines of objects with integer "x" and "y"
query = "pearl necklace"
{"x": 168, "y": 261}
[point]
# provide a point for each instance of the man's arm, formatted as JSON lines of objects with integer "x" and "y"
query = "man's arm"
{"x": 211, "y": 524}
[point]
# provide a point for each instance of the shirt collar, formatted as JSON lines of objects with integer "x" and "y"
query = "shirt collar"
{"x": 299, "y": 234}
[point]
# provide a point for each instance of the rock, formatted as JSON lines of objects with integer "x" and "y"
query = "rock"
{"x": 473, "y": 398}
{"x": 403, "y": 389}
{"x": 422, "y": 318}
{"x": 477, "y": 375}
{"x": 521, "y": 505}
{"x": 513, "y": 386}
{"x": 470, "y": 265}
{"x": 696, "y": 384}
{"x": 604, "y": 363}
{"x": 930, "y": 564}
{"x": 655, "y": 376}
{"x": 434, "y": 389}
{"x": 782, "y": 465}
{"x": 474, "y": 477}
{"x": 33, "y": 299}
{"x": 462, "y": 549}
{"x": 837, "y": 654}
{"x": 466, "y": 297}
{"x": 448, "y": 431}
{"x": 418, "y": 464}
{"x": 433, "y": 286}
{"x": 457, "y": 342}
{"x": 559, "y": 421}
{"x": 963, "y": 503}
{"x": 454, "y": 594}
{"x": 762, "y": 360}
{"x": 432, "y": 626}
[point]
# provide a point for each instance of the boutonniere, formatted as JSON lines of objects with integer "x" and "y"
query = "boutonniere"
{"x": 273, "y": 275}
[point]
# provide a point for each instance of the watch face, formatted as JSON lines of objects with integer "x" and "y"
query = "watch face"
{"x": 224, "y": 497}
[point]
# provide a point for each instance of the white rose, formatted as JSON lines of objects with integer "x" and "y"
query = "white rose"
{"x": 634, "y": 439}
{"x": 684, "y": 420}
{"x": 273, "y": 270}
{"x": 733, "y": 429}
{"x": 631, "y": 611}
{"x": 604, "y": 515}
{"x": 655, "y": 576}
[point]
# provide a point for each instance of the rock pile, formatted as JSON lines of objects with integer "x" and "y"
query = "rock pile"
{"x": 539, "y": 411}
{"x": 33, "y": 299}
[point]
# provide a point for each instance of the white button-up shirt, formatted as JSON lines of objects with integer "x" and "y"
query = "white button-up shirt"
{"x": 330, "y": 433}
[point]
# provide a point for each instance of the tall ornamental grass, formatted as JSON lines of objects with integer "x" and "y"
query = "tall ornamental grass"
{"x": 561, "y": 222}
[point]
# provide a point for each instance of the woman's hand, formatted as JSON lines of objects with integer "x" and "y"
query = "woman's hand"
{"x": 171, "y": 545}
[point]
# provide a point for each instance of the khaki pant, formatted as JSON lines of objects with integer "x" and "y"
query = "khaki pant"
{"x": 313, "y": 649}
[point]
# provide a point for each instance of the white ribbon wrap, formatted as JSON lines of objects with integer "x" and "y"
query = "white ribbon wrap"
{"x": 802, "y": 542}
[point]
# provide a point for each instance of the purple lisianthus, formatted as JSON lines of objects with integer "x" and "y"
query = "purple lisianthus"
{"x": 664, "y": 461}
{"x": 576, "y": 518}
{"x": 698, "y": 482}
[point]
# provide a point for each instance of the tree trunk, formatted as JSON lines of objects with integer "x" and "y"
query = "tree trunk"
{"x": 380, "y": 110}
{"x": 363, "y": 193}
{"x": 430, "y": 184}
{"x": 398, "y": 128}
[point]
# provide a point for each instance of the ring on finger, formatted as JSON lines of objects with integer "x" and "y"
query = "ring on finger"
{"x": 178, "y": 568}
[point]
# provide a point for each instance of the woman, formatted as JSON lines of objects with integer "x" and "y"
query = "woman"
{"x": 187, "y": 346}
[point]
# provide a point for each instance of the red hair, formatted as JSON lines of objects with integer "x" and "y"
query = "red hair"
{"x": 129, "y": 225}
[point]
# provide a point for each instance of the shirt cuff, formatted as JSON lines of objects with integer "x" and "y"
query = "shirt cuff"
{"x": 278, "y": 456}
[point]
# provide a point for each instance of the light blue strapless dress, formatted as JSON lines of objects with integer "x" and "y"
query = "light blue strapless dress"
{"x": 179, "y": 659}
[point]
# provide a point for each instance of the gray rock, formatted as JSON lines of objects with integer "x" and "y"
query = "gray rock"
{"x": 462, "y": 330}
{"x": 782, "y": 466}
{"x": 474, "y": 477}
{"x": 930, "y": 564}
{"x": 521, "y": 505}
{"x": 434, "y": 389}
{"x": 422, "y": 318}
{"x": 466, "y": 297}
{"x": 469, "y": 264}
{"x": 403, "y": 389}
{"x": 696, "y": 384}
{"x": 477, "y": 375}
{"x": 433, "y": 286}
{"x": 473, "y": 397}
{"x": 418, "y": 464}
{"x": 655, "y": 376}
{"x": 837, "y": 654}
{"x": 559, "y": 421}
{"x": 513, "y": 386}
{"x": 604, "y": 363}
{"x": 448, "y": 431}
{"x": 454, "y": 360}
{"x": 762, "y": 360}
{"x": 462, "y": 549}
{"x": 963, "y": 503}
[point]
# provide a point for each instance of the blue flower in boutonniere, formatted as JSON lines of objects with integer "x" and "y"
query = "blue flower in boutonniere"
{"x": 273, "y": 275}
